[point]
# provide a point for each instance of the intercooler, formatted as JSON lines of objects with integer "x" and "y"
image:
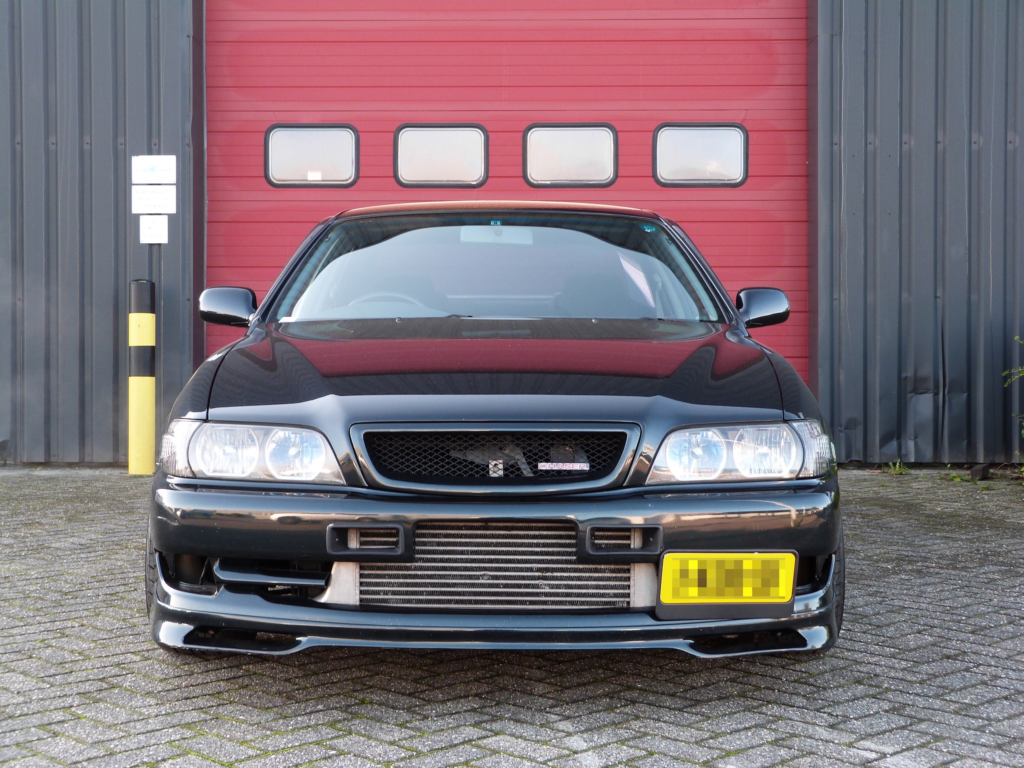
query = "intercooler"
{"x": 495, "y": 566}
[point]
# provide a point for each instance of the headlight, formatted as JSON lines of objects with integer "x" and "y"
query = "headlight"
{"x": 174, "y": 447}
{"x": 248, "y": 452}
{"x": 746, "y": 452}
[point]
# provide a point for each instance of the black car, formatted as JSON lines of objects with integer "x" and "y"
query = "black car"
{"x": 496, "y": 425}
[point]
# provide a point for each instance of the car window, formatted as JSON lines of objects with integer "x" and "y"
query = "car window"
{"x": 495, "y": 266}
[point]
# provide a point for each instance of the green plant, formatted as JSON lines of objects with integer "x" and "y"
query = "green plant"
{"x": 899, "y": 468}
{"x": 1012, "y": 375}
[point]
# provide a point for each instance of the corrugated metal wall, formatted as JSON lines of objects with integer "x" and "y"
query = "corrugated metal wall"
{"x": 917, "y": 225}
{"x": 85, "y": 85}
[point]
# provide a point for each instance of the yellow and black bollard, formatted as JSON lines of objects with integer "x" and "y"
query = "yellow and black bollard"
{"x": 141, "y": 377}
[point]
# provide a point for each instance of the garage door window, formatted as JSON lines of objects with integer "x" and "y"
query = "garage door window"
{"x": 563, "y": 155}
{"x": 311, "y": 155}
{"x": 441, "y": 155}
{"x": 700, "y": 155}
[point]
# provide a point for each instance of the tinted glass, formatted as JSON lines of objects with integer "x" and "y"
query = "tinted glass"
{"x": 525, "y": 265}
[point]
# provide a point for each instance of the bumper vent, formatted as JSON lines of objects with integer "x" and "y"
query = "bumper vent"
{"x": 495, "y": 459}
{"x": 377, "y": 538}
{"x": 495, "y": 566}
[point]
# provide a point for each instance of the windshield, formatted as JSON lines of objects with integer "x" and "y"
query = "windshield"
{"x": 500, "y": 265}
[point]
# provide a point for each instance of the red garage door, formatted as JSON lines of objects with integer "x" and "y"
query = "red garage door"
{"x": 635, "y": 65}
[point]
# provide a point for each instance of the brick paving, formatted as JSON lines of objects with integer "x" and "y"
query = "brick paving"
{"x": 929, "y": 671}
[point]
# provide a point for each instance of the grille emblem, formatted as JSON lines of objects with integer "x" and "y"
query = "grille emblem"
{"x": 494, "y": 457}
{"x": 563, "y": 465}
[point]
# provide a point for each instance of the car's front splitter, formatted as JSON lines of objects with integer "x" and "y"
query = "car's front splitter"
{"x": 244, "y": 622}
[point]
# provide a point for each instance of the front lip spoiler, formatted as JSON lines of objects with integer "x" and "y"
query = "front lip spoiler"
{"x": 230, "y": 621}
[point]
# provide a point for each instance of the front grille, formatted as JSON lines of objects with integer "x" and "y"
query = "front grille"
{"x": 495, "y": 566}
{"x": 494, "y": 458}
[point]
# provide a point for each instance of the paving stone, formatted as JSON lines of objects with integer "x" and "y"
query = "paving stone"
{"x": 758, "y": 757}
{"x": 444, "y": 758}
{"x": 675, "y": 749}
{"x": 929, "y": 671}
{"x": 599, "y": 758}
{"x": 375, "y": 750}
{"x": 504, "y": 761}
{"x": 65, "y": 750}
{"x": 522, "y": 748}
{"x": 215, "y": 748}
{"x": 441, "y": 739}
{"x": 288, "y": 758}
{"x": 916, "y": 758}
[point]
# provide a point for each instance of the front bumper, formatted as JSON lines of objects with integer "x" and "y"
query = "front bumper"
{"x": 277, "y": 525}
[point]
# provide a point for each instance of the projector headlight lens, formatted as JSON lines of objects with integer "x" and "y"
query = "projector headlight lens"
{"x": 295, "y": 454}
{"x": 771, "y": 451}
{"x": 225, "y": 450}
{"x": 248, "y": 452}
{"x": 695, "y": 454}
{"x": 743, "y": 452}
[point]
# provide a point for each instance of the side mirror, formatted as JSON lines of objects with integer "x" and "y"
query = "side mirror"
{"x": 762, "y": 306}
{"x": 227, "y": 306}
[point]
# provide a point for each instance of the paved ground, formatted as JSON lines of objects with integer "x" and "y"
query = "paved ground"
{"x": 930, "y": 669}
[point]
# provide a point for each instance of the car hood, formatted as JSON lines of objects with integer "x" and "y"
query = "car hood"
{"x": 696, "y": 363}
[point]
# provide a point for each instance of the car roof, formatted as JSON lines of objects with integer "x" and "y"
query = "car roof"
{"x": 497, "y": 205}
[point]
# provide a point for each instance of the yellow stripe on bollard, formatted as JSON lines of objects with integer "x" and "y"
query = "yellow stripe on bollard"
{"x": 141, "y": 329}
{"x": 141, "y": 378}
{"x": 141, "y": 425}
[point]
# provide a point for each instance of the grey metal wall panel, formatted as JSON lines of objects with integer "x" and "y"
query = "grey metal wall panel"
{"x": 916, "y": 184}
{"x": 83, "y": 87}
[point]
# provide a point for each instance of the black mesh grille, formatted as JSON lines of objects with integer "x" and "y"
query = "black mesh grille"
{"x": 495, "y": 458}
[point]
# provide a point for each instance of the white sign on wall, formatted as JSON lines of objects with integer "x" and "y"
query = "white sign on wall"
{"x": 152, "y": 229}
{"x": 154, "y": 194}
{"x": 154, "y": 169}
{"x": 154, "y": 198}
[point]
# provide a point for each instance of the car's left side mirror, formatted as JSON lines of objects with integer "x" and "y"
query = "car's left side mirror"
{"x": 762, "y": 306}
{"x": 227, "y": 306}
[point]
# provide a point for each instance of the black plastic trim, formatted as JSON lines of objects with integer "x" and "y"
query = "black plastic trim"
{"x": 337, "y": 543}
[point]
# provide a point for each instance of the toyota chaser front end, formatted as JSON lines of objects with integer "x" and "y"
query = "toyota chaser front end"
{"x": 496, "y": 425}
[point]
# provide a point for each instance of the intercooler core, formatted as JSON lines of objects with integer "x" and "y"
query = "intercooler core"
{"x": 483, "y": 566}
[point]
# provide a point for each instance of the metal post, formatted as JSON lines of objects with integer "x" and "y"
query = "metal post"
{"x": 141, "y": 377}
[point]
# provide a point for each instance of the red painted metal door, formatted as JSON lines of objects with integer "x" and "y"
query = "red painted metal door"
{"x": 633, "y": 63}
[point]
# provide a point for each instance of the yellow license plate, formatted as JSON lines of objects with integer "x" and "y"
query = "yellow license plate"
{"x": 718, "y": 577}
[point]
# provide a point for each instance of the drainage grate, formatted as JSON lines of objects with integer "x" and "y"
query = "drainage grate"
{"x": 495, "y": 458}
{"x": 495, "y": 566}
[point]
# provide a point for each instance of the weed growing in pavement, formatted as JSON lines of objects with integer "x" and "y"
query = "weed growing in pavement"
{"x": 899, "y": 468}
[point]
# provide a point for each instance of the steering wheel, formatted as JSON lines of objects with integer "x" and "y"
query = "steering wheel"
{"x": 390, "y": 294}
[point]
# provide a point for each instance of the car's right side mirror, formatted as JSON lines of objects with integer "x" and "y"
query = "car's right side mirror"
{"x": 227, "y": 306}
{"x": 762, "y": 306}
